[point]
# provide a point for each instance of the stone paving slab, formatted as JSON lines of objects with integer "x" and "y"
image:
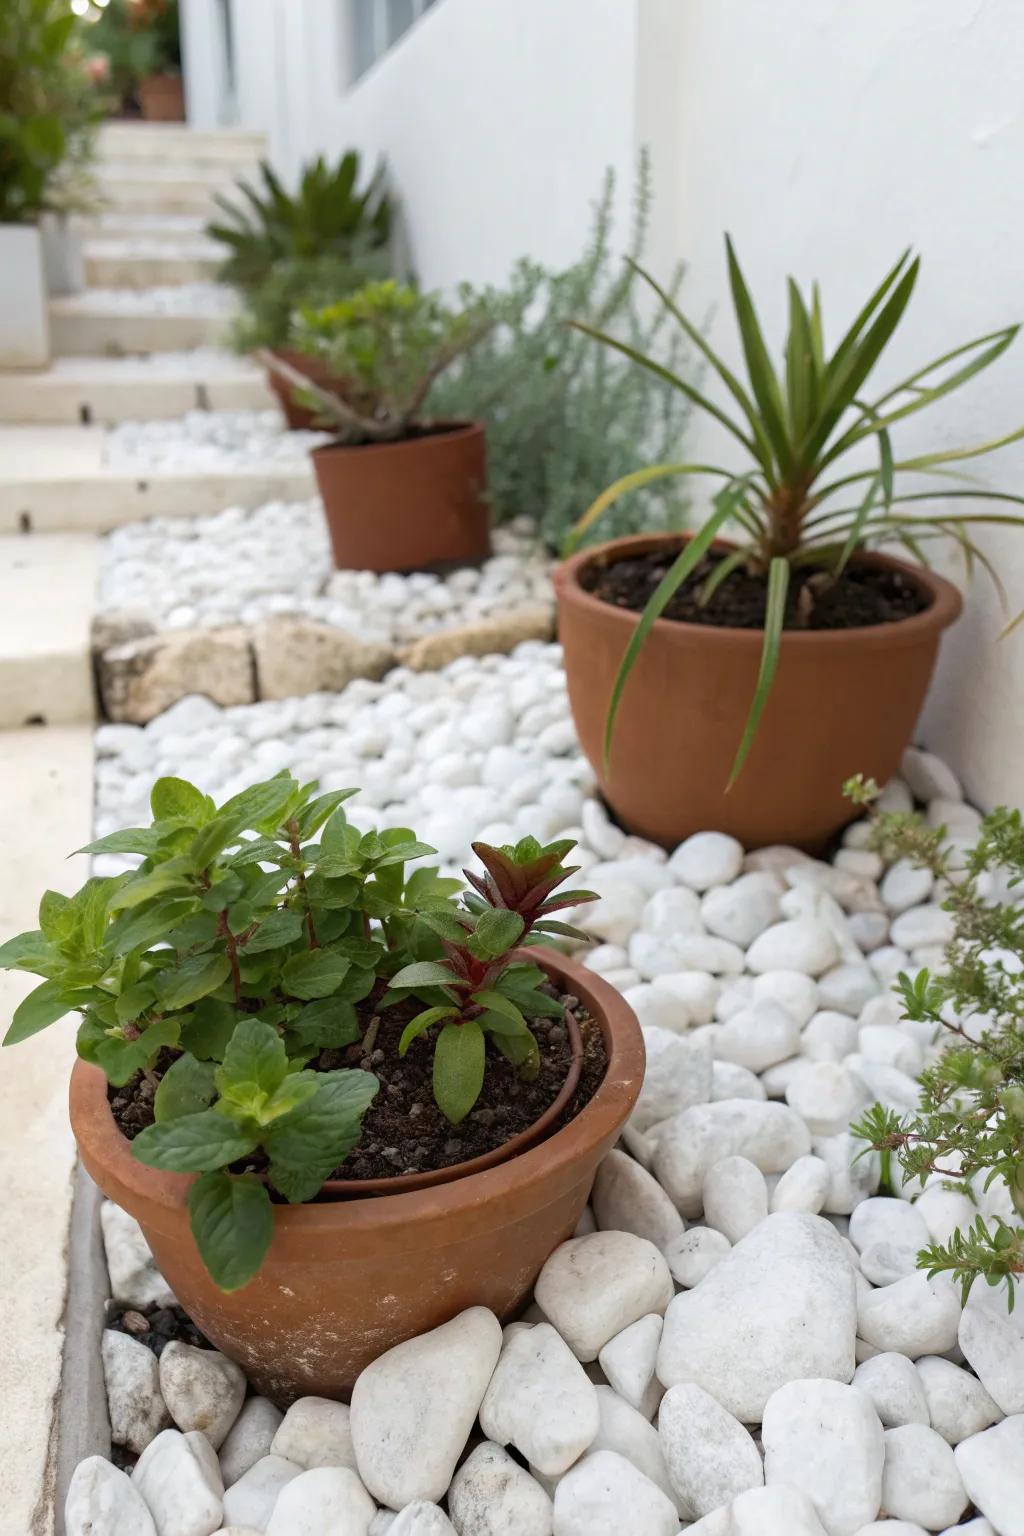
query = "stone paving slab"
{"x": 47, "y": 596}
{"x": 45, "y": 809}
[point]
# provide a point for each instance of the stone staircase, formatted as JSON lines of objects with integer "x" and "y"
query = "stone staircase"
{"x": 145, "y": 340}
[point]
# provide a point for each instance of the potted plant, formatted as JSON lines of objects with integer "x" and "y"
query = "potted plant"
{"x": 738, "y": 684}
{"x": 48, "y": 107}
{"x": 141, "y": 39}
{"x": 286, "y": 251}
{"x": 400, "y": 490}
{"x": 337, "y": 1092}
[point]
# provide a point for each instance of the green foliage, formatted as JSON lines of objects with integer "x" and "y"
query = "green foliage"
{"x": 787, "y": 498}
{"x": 389, "y": 343}
{"x": 48, "y": 107}
{"x": 308, "y": 282}
{"x": 237, "y": 951}
{"x": 326, "y": 216}
{"x": 138, "y": 38}
{"x": 970, "y": 1126}
{"x": 564, "y": 418}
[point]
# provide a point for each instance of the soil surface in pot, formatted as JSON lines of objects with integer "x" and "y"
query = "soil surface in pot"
{"x": 155, "y": 1326}
{"x": 403, "y": 1129}
{"x": 864, "y": 595}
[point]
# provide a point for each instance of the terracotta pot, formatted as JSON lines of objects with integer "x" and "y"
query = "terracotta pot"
{"x": 162, "y": 98}
{"x": 406, "y": 505}
{"x": 300, "y": 418}
{"x": 843, "y": 702}
{"x": 344, "y": 1280}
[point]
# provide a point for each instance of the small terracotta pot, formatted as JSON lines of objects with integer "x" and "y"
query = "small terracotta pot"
{"x": 345, "y": 1280}
{"x": 843, "y": 702}
{"x": 300, "y": 418}
{"x": 407, "y": 505}
{"x": 162, "y": 98}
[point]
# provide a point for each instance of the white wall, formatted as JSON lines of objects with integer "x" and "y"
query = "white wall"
{"x": 826, "y": 135}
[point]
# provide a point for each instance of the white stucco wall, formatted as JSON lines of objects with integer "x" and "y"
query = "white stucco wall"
{"x": 825, "y": 135}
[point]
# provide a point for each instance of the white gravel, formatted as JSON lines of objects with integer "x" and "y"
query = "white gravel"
{"x": 197, "y": 363}
{"x": 242, "y": 566}
{"x": 768, "y": 1329}
{"x": 179, "y": 299}
{"x": 205, "y": 442}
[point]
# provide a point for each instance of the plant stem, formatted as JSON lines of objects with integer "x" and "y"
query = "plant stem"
{"x": 293, "y": 842}
{"x": 232, "y": 949}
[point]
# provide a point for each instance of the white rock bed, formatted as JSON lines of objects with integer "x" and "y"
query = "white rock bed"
{"x": 206, "y": 442}
{"x": 172, "y": 299}
{"x": 767, "y": 1360}
{"x": 242, "y": 566}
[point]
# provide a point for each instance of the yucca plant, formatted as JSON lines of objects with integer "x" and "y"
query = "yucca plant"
{"x": 788, "y": 502}
{"x": 327, "y": 215}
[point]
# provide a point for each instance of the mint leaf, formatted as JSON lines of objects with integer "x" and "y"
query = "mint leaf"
{"x": 496, "y": 931}
{"x": 138, "y": 930}
{"x": 44, "y": 1005}
{"x": 194, "y": 1143}
{"x": 324, "y": 1130}
{"x": 168, "y": 877}
{"x": 314, "y": 973}
{"x": 27, "y": 952}
{"x": 424, "y": 973}
{"x": 232, "y": 1222}
{"x": 459, "y": 1058}
{"x": 186, "y": 1088}
{"x": 144, "y": 840}
{"x": 327, "y": 1023}
{"x": 255, "y": 1057}
{"x": 277, "y": 930}
{"x": 192, "y": 979}
{"x": 172, "y": 797}
{"x": 207, "y": 1031}
{"x": 119, "y": 1058}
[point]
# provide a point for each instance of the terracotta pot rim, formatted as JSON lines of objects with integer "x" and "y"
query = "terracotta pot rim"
{"x": 103, "y": 1146}
{"x": 334, "y": 1189}
{"x": 446, "y": 430}
{"x": 942, "y": 611}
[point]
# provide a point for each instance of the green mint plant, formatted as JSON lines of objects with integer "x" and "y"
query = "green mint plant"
{"x": 390, "y": 343}
{"x": 970, "y": 1125}
{"x": 238, "y": 950}
{"x": 798, "y": 495}
{"x": 479, "y": 990}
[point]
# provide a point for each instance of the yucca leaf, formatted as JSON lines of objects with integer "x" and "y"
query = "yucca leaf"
{"x": 759, "y": 369}
{"x": 802, "y": 382}
{"x": 838, "y": 359}
{"x": 635, "y": 482}
{"x": 722, "y": 571}
{"x": 882, "y": 484}
{"x": 670, "y": 583}
{"x": 763, "y": 445}
{"x": 957, "y": 455}
{"x": 669, "y": 377}
{"x": 774, "y": 621}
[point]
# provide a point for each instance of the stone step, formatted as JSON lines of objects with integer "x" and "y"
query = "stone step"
{"x": 176, "y": 142}
{"x": 122, "y": 224}
{"x": 116, "y": 322}
{"x": 149, "y": 263}
{"x": 107, "y": 390}
{"x": 143, "y": 192}
{"x": 47, "y": 596}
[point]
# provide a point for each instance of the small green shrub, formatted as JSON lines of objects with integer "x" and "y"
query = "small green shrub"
{"x": 970, "y": 1125}
{"x": 269, "y": 308}
{"x": 326, "y": 216}
{"x": 564, "y": 418}
{"x": 139, "y": 38}
{"x": 390, "y": 343}
{"x": 237, "y": 952}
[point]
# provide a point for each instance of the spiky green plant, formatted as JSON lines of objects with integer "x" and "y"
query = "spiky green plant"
{"x": 788, "y": 499}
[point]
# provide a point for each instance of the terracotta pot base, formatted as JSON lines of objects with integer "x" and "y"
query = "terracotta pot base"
{"x": 843, "y": 702}
{"x": 345, "y": 1280}
{"x": 407, "y": 505}
{"x": 162, "y": 99}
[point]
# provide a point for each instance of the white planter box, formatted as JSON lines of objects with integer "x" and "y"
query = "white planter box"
{"x": 63, "y": 258}
{"x": 24, "y": 322}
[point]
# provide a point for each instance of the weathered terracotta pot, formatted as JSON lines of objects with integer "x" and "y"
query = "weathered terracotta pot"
{"x": 162, "y": 98}
{"x": 406, "y": 505}
{"x": 299, "y": 418}
{"x": 344, "y": 1280}
{"x": 843, "y": 702}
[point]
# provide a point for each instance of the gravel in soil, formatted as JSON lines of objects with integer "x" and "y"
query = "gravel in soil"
{"x": 403, "y": 1130}
{"x": 862, "y": 596}
{"x": 155, "y": 1326}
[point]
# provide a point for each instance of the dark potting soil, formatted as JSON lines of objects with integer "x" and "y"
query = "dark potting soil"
{"x": 403, "y": 1129}
{"x": 863, "y": 595}
{"x": 154, "y": 1326}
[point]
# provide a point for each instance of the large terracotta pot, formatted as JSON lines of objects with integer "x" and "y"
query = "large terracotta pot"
{"x": 162, "y": 98}
{"x": 402, "y": 506}
{"x": 843, "y": 702}
{"x": 299, "y": 418}
{"x": 344, "y": 1280}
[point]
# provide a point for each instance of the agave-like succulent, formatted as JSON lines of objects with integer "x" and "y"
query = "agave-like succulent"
{"x": 327, "y": 215}
{"x": 791, "y": 503}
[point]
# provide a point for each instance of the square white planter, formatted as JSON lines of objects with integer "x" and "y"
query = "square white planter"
{"x": 24, "y": 322}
